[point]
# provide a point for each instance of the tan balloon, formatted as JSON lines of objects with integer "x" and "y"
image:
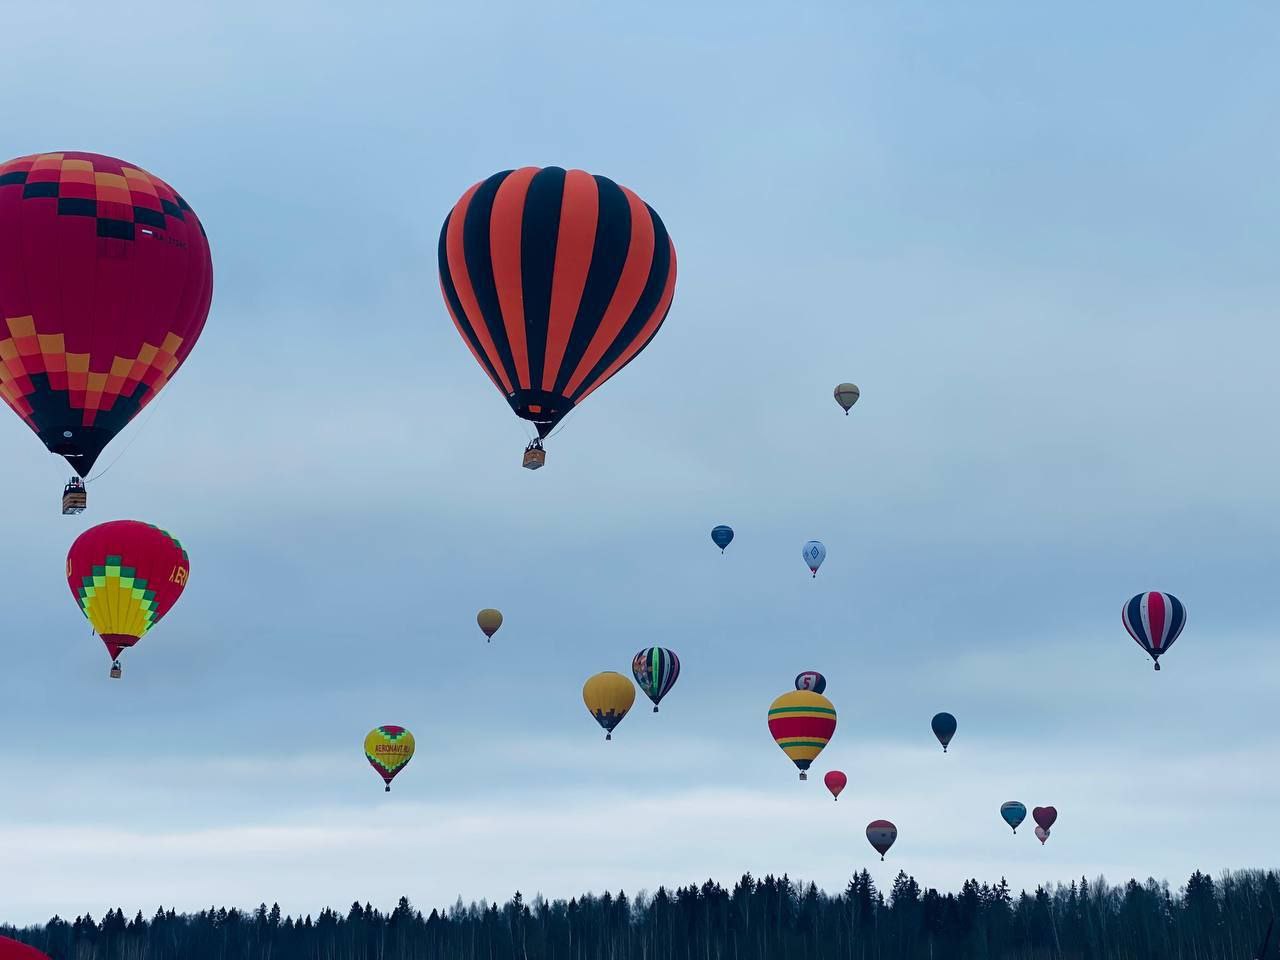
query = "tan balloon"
{"x": 609, "y": 696}
{"x": 847, "y": 395}
{"x": 489, "y": 620}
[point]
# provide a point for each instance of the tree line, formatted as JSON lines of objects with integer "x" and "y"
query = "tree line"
{"x": 757, "y": 919}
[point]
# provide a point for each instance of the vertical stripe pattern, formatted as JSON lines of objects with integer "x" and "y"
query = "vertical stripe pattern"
{"x": 555, "y": 280}
{"x": 656, "y": 670}
{"x": 1154, "y": 620}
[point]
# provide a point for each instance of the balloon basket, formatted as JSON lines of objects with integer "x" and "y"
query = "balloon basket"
{"x": 1157, "y": 664}
{"x": 655, "y": 708}
{"x": 803, "y": 775}
{"x": 608, "y": 736}
{"x": 115, "y": 670}
{"x": 534, "y": 456}
{"x": 74, "y": 497}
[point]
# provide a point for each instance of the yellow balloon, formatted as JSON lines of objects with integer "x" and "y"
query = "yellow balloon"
{"x": 388, "y": 750}
{"x": 608, "y": 696}
{"x": 801, "y": 722}
{"x": 489, "y": 620}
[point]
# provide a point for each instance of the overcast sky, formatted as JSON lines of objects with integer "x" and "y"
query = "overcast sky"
{"x": 1043, "y": 244}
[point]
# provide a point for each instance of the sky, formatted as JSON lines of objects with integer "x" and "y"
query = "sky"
{"x": 1043, "y": 243}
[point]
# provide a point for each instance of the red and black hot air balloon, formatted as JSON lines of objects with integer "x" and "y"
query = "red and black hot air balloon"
{"x": 556, "y": 280}
{"x": 105, "y": 284}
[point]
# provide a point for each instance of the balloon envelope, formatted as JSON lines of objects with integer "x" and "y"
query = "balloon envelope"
{"x": 1154, "y": 620}
{"x": 656, "y": 670}
{"x": 722, "y": 536}
{"x": 847, "y": 395}
{"x": 835, "y": 781}
{"x": 126, "y": 575}
{"x": 814, "y": 553}
{"x": 105, "y": 284}
{"x": 801, "y": 723}
{"x": 489, "y": 621}
{"x": 608, "y": 697}
{"x": 811, "y": 680}
{"x": 555, "y": 280}
{"x": 1013, "y": 813}
{"x": 944, "y": 728}
{"x": 388, "y": 749}
{"x": 881, "y": 834}
{"x": 1042, "y": 834}
{"x": 14, "y": 950}
{"x": 1045, "y": 816}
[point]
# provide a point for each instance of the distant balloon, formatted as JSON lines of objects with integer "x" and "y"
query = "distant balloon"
{"x": 847, "y": 395}
{"x": 608, "y": 696}
{"x": 944, "y": 728}
{"x": 814, "y": 554}
{"x": 1042, "y": 835}
{"x": 835, "y": 781}
{"x": 14, "y": 950}
{"x": 656, "y": 670}
{"x": 881, "y": 834}
{"x": 722, "y": 536}
{"x": 1013, "y": 813}
{"x": 489, "y": 620}
{"x": 1154, "y": 620}
{"x": 802, "y": 723}
{"x": 811, "y": 680}
{"x": 1045, "y": 816}
{"x": 388, "y": 750}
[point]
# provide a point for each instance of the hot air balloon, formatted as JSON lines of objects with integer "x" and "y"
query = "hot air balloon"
{"x": 489, "y": 621}
{"x": 1154, "y": 620}
{"x": 1042, "y": 834}
{"x": 1013, "y": 813}
{"x": 126, "y": 575}
{"x": 388, "y": 750}
{"x": 608, "y": 696}
{"x": 15, "y": 950}
{"x": 656, "y": 670}
{"x": 881, "y": 834}
{"x": 944, "y": 728}
{"x": 556, "y": 280}
{"x": 722, "y": 536}
{"x": 847, "y": 395}
{"x": 105, "y": 284}
{"x": 801, "y": 723}
{"x": 1045, "y": 816}
{"x": 814, "y": 554}
{"x": 811, "y": 680}
{"x": 835, "y": 781}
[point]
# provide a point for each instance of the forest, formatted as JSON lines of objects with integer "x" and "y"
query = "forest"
{"x": 757, "y": 919}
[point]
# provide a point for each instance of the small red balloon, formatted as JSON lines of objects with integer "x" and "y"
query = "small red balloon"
{"x": 835, "y": 781}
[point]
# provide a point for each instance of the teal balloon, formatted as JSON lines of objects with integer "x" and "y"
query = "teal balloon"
{"x": 1013, "y": 813}
{"x": 722, "y": 536}
{"x": 944, "y": 728}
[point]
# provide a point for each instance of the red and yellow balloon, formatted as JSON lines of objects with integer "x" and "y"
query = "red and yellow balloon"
{"x": 126, "y": 575}
{"x": 105, "y": 284}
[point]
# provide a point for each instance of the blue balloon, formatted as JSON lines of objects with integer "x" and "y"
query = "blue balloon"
{"x": 814, "y": 553}
{"x": 811, "y": 680}
{"x": 944, "y": 728}
{"x": 1013, "y": 813}
{"x": 722, "y": 536}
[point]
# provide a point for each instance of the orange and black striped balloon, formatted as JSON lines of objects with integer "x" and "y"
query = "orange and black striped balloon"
{"x": 556, "y": 280}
